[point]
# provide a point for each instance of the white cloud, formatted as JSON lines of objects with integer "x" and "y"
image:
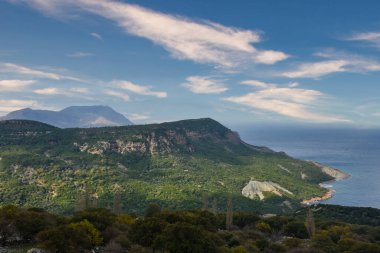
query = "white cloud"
{"x": 136, "y": 117}
{"x": 334, "y": 62}
{"x": 270, "y": 56}
{"x": 372, "y": 38}
{"x": 139, "y": 89}
{"x": 96, "y": 35}
{"x": 70, "y": 92}
{"x": 293, "y": 84}
{"x": 258, "y": 84}
{"x": 6, "y": 67}
{"x": 48, "y": 91}
{"x": 80, "y": 55}
{"x": 291, "y": 102}
{"x": 317, "y": 69}
{"x": 120, "y": 95}
{"x": 204, "y": 85}
{"x": 14, "y": 104}
{"x": 199, "y": 41}
{"x": 15, "y": 85}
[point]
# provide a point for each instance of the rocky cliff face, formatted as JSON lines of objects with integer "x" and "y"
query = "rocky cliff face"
{"x": 150, "y": 144}
{"x": 160, "y": 141}
{"x": 255, "y": 189}
{"x": 335, "y": 173}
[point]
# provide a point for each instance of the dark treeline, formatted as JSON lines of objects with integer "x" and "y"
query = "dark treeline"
{"x": 195, "y": 231}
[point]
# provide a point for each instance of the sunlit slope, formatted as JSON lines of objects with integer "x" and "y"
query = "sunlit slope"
{"x": 173, "y": 164}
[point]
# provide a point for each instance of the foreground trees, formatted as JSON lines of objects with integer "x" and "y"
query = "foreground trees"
{"x": 70, "y": 238}
{"x": 198, "y": 231}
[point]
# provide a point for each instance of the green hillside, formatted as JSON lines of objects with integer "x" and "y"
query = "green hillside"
{"x": 173, "y": 164}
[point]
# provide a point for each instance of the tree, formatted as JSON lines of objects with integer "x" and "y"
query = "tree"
{"x": 117, "y": 205}
{"x": 296, "y": 229}
{"x": 214, "y": 208}
{"x": 54, "y": 240}
{"x": 145, "y": 231}
{"x": 30, "y": 222}
{"x": 185, "y": 238}
{"x": 229, "y": 214}
{"x": 83, "y": 199}
{"x": 152, "y": 210}
{"x": 310, "y": 223}
{"x": 101, "y": 218}
{"x": 323, "y": 241}
{"x": 205, "y": 201}
{"x": 113, "y": 247}
{"x": 71, "y": 238}
{"x": 7, "y": 226}
{"x": 90, "y": 235}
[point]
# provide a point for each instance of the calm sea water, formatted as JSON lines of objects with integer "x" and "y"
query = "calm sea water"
{"x": 354, "y": 151}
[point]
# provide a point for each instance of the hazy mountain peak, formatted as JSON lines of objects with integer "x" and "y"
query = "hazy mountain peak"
{"x": 73, "y": 116}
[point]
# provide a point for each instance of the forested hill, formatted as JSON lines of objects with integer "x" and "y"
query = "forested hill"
{"x": 183, "y": 164}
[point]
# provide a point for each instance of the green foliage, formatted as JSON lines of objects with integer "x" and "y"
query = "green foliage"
{"x": 49, "y": 167}
{"x": 195, "y": 231}
{"x": 152, "y": 210}
{"x": 70, "y": 238}
{"x": 296, "y": 229}
{"x": 101, "y": 218}
{"x": 185, "y": 238}
{"x": 145, "y": 232}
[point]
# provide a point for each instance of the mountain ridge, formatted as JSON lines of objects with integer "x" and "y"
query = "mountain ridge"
{"x": 72, "y": 117}
{"x": 172, "y": 163}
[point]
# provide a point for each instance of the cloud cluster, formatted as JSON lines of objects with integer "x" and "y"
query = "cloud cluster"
{"x": 96, "y": 35}
{"x": 287, "y": 101}
{"x": 123, "y": 96}
{"x": 113, "y": 89}
{"x": 15, "y": 85}
{"x": 373, "y": 38}
{"x": 6, "y": 67}
{"x": 184, "y": 38}
{"x": 333, "y": 62}
{"x": 69, "y": 92}
{"x": 14, "y": 104}
{"x": 204, "y": 85}
{"x": 138, "y": 89}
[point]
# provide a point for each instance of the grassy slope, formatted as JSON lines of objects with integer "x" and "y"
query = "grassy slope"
{"x": 41, "y": 166}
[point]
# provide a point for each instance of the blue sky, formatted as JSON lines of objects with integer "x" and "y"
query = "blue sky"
{"x": 259, "y": 62}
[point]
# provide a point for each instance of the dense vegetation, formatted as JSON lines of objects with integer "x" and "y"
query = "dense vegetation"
{"x": 197, "y": 231}
{"x": 172, "y": 164}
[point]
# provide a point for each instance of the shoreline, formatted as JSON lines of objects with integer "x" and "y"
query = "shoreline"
{"x": 337, "y": 174}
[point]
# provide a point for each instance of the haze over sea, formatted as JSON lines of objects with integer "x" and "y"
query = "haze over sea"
{"x": 355, "y": 151}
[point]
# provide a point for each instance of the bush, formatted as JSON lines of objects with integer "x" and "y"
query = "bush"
{"x": 296, "y": 229}
{"x": 70, "y": 238}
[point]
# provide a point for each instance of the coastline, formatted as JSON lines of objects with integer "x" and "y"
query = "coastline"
{"x": 337, "y": 174}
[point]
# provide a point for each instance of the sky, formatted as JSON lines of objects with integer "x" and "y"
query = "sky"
{"x": 240, "y": 62}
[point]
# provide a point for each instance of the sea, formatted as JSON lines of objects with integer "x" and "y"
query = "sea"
{"x": 355, "y": 151}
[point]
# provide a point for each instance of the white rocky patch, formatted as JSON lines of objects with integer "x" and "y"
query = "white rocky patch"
{"x": 255, "y": 189}
{"x": 335, "y": 173}
{"x": 283, "y": 168}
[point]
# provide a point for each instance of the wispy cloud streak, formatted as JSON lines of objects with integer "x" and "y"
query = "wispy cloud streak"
{"x": 287, "y": 101}
{"x": 184, "y": 38}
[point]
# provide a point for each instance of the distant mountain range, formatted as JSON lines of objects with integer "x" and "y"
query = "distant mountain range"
{"x": 73, "y": 116}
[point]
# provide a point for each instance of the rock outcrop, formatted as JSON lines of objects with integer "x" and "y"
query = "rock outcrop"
{"x": 335, "y": 173}
{"x": 255, "y": 189}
